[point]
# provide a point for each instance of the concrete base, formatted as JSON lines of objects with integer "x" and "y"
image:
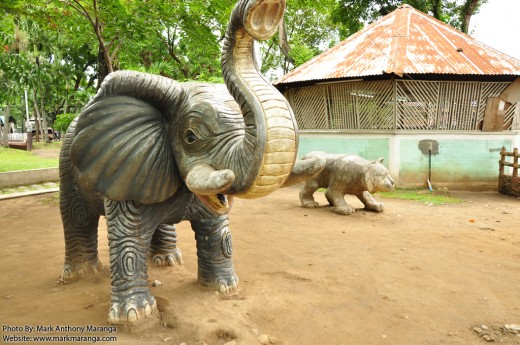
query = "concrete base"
{"x": 27, "y": 177}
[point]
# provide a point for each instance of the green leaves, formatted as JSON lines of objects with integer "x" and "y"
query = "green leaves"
{"x": 351, "y": 15}
{"x": 63, "y": 121}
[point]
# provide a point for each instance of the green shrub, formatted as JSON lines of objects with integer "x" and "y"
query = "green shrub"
{"x": 63, "y": 121}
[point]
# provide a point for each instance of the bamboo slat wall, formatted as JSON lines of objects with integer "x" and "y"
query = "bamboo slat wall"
{"x": 398, "y": 105}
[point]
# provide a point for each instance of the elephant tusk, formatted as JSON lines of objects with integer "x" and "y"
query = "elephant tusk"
{"x": 209, "y": 184}
{"x": 206, "y": 180}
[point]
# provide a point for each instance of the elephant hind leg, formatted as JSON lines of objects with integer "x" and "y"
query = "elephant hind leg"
{"x": 80, "y": 217}
{"x": 163, "y": 248}
{"x": 80, "y": 225}
{"x": 214, "y": 253}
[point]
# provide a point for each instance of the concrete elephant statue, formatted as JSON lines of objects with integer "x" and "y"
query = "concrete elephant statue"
{"x": 148, "y": 152}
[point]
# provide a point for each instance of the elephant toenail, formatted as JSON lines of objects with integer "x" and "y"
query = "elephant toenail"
{"x": 132, "y": 315}
{"x": 81, "y": 273}
{"x": 66, "y": 273}
{"x": 147, "y": 310}
{"x": 170, "y": 260}
{"x": 222, "y": 288}
{"x": 158, "y": 262}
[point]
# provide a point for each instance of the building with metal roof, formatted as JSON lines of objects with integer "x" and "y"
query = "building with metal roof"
{"x": 406, "y": 41}
{"x": 403, "y": 82}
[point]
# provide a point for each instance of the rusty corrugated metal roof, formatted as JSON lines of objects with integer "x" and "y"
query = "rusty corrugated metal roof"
{"x": 406, "y": 41}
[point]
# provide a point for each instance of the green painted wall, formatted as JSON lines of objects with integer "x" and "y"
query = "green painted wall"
{"x": 462, "y": 159}
{"x": 369, "y": 148}
{"x": 457, "y": 161}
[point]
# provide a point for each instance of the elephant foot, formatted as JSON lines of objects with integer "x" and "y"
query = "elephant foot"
{"x": 132, "y": 310}
{"x": 344, "y": 210}
{"x": 172, "y": 258}
{"x": 377, "y": 207}
{"x": 310, "y": 204}
{"x": 223, "y": 284}
{"x": 74, "y": 271}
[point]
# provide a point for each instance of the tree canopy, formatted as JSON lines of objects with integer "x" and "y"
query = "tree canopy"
{"x": 60, "y": 50}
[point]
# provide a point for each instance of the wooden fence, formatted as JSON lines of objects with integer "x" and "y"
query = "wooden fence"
{"x": 509, "y": 183}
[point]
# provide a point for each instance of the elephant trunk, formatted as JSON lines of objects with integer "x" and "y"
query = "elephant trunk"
{"x": 268, "y": 151}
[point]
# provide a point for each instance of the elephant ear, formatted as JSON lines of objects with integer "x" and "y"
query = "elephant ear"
{"x": 122, "y": 149}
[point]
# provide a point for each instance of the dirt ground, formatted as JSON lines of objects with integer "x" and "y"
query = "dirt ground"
{"x": 414, "y": 274}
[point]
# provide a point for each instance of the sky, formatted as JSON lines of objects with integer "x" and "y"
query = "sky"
{"x": 498, "y": 25}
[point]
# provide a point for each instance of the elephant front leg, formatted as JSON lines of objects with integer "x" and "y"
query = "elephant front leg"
{"x": 129, "y": 236}
{"x": 214, "y": 252}
{"x": 370, "y": 203}
{"x": 337, "y": 200}
{"x": 163, "y": 249}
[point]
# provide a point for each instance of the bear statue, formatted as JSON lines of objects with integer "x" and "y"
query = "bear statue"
{"x": 347, "y": 174}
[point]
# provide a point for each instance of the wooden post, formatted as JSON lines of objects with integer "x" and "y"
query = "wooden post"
{"x": 501, "y": 161}
{"x": 515, "y": 162}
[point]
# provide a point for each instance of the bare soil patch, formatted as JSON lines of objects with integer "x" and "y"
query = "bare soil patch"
{"x": 414, "y": 274}
{"x": 47, "y": 150}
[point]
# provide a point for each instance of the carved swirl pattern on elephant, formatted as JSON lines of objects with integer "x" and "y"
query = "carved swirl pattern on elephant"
{"x": 128, "y": 242}
{"x": 78, "y": 212}
{"x": 227, "y": 246}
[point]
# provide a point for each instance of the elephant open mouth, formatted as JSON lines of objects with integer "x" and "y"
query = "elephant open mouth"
{"x": 219, "y": 203}
{"x": 209, "y": 185}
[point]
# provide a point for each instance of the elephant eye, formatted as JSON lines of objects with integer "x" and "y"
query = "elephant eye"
{"x": 190, "y": 137}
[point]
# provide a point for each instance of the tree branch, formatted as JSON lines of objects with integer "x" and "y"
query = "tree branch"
{"x": 284, "y": 45}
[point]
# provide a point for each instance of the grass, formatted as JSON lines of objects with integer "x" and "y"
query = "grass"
{"x": 15, "y": 160}
{"x": 40, "y": 145}
{"x": 53, "y": 199}
{"x": 417, "y": 195}
{"x": 425, "y": 196}
{"x": 25, "y": 188}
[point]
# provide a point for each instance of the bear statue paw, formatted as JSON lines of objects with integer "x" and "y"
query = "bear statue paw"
{"x": 133, "y": 310}
{"x": 311, "y": 204}
{"x": 74, "y": 271}
{"x": 223, "y": 285}
{"x": 169, "y": 259}
{"x": 377, "y": 207}
{"x": 344, "y": 210}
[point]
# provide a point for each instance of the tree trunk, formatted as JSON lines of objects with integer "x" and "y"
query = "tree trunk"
{"x": 103, "y": 69}
{"x": 468, "y": 10}
{"x": 437, "y": 9}
{"x": 45, "y": 133}
{"x": 5, "y": 134}
{"x": 66, "y": 105}
{"x": 37, "y": 118}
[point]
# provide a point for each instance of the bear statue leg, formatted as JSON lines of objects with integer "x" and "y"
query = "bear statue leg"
{"x": 163, "y": 249}
{"x": 306, "y": 194}
{"x": 80, "y": 225}
{"x": 130, "y": 231}
{"x": 370, "y": 203}
{"x": 214, "y": 253}
{"x": 337, "y": 200}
